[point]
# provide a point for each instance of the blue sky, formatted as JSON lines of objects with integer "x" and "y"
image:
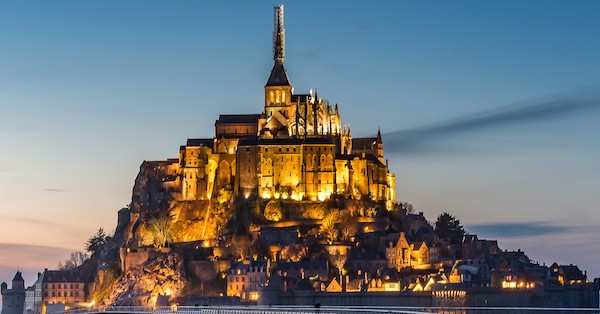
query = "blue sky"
{"x": 88, "y": 90}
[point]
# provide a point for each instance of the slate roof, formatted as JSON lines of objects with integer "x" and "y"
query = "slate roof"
{"x": 306, "y": 265}
{"x": 208, "y": 142}
{"x": 362, "y": 143}
{"x": 238, "y": 119}
{"x": 572, "y": 272}
{"x": 18, "y": 277}
{"x": 62, "y": 276}
{"x": 284, "y": 141}
{"x": 278, "y": 76}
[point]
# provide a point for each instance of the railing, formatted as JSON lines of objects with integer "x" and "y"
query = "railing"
{"x": 326, "y": 310}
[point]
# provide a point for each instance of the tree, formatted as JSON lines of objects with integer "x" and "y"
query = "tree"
{"x": 273, "y": 211}
{"x": 240, "y": 246}
{"x": 338, "y": 260}
{"x": 96, "y": 241}
{"x": 327, "y": 228}
{"x": 293, "y": 252}
{"x": 347, "y": 229}
{"x": 160, "y": 229}
{"x": 76, "y": 259}
{"x": 408, "y": 207}
{"x": 447, "y": 226}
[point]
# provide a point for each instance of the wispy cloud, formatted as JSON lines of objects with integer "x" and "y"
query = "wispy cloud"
{"x": 426, "y": 138}
{"x": 56, "y": 227}
{"x": 29, "y": 259}
{"x": 523, "y": 229}
{"x": 53, "y": 190}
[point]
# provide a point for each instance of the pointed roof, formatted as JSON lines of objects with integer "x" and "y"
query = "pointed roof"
{"x": 379, "y": 139}
{"x": 278, "y": 76}
{"x": 18, "y": 277}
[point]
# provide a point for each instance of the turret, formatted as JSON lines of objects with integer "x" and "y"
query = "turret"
{"x": 18, "y": 283}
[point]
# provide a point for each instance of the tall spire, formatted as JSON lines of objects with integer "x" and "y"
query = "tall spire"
{"x": 279, "y": 36}
{"x": 278, "y": 75}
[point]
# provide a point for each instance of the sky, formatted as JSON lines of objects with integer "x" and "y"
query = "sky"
{"x": 488, "y": 109}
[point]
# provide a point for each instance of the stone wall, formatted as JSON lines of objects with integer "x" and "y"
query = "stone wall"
{"x": 134, "y": 257}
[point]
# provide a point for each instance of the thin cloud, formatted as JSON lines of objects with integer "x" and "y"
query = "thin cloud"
{"x": 53, "y": 190}
{"x": 522, "y": 229}
{"x": 59, "y": 227}
{"x": 428, "y": 138}
{"x": 29, "y": 259}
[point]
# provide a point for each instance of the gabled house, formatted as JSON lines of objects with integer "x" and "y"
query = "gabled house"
{"x": 405, "y": 254}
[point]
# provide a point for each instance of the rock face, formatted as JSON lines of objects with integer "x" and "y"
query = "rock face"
{"x": 143, "y": 284}
{"x": 156, "y": 193}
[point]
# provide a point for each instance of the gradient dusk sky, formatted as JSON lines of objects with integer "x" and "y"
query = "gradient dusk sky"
{"x": 489, "y": 110}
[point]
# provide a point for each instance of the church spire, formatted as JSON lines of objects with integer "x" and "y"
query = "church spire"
{"x": 279, "y": 36}
{"x": 278, "y": 75}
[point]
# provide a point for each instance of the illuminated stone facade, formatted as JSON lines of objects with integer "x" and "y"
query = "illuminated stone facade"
{"x": 246, "y": 279}
{"x": 405, "y": 254}
{"x": 62, "y": 286}
{"x": 297, "y": 148}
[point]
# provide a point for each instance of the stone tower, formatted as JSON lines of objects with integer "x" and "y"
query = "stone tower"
{"x": 13, "y": 300}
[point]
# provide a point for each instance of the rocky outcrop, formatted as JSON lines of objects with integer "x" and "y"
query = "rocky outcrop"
{"x": 143, "y": 284}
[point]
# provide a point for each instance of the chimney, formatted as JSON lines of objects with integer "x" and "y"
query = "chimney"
{"x": 39, "y": 274}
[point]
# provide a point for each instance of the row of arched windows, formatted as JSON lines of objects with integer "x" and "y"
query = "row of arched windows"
{"x": 277, "y": 97}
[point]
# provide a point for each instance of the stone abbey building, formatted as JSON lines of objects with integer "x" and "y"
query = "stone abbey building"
{"x": 297, "y": 148}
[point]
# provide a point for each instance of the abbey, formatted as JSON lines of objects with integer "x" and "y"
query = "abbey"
{"x": 297, "y": 148}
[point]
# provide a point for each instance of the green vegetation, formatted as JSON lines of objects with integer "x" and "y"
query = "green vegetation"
{"x": 96, "y": 241}
{"x": 448, "y": 227}
{"x": 107, "y": 278}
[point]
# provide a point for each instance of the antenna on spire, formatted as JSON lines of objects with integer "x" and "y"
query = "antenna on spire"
{"x": 279, "y": 36}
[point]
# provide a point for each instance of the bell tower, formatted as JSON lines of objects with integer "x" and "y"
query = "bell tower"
{"x": 278, "y": 90}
